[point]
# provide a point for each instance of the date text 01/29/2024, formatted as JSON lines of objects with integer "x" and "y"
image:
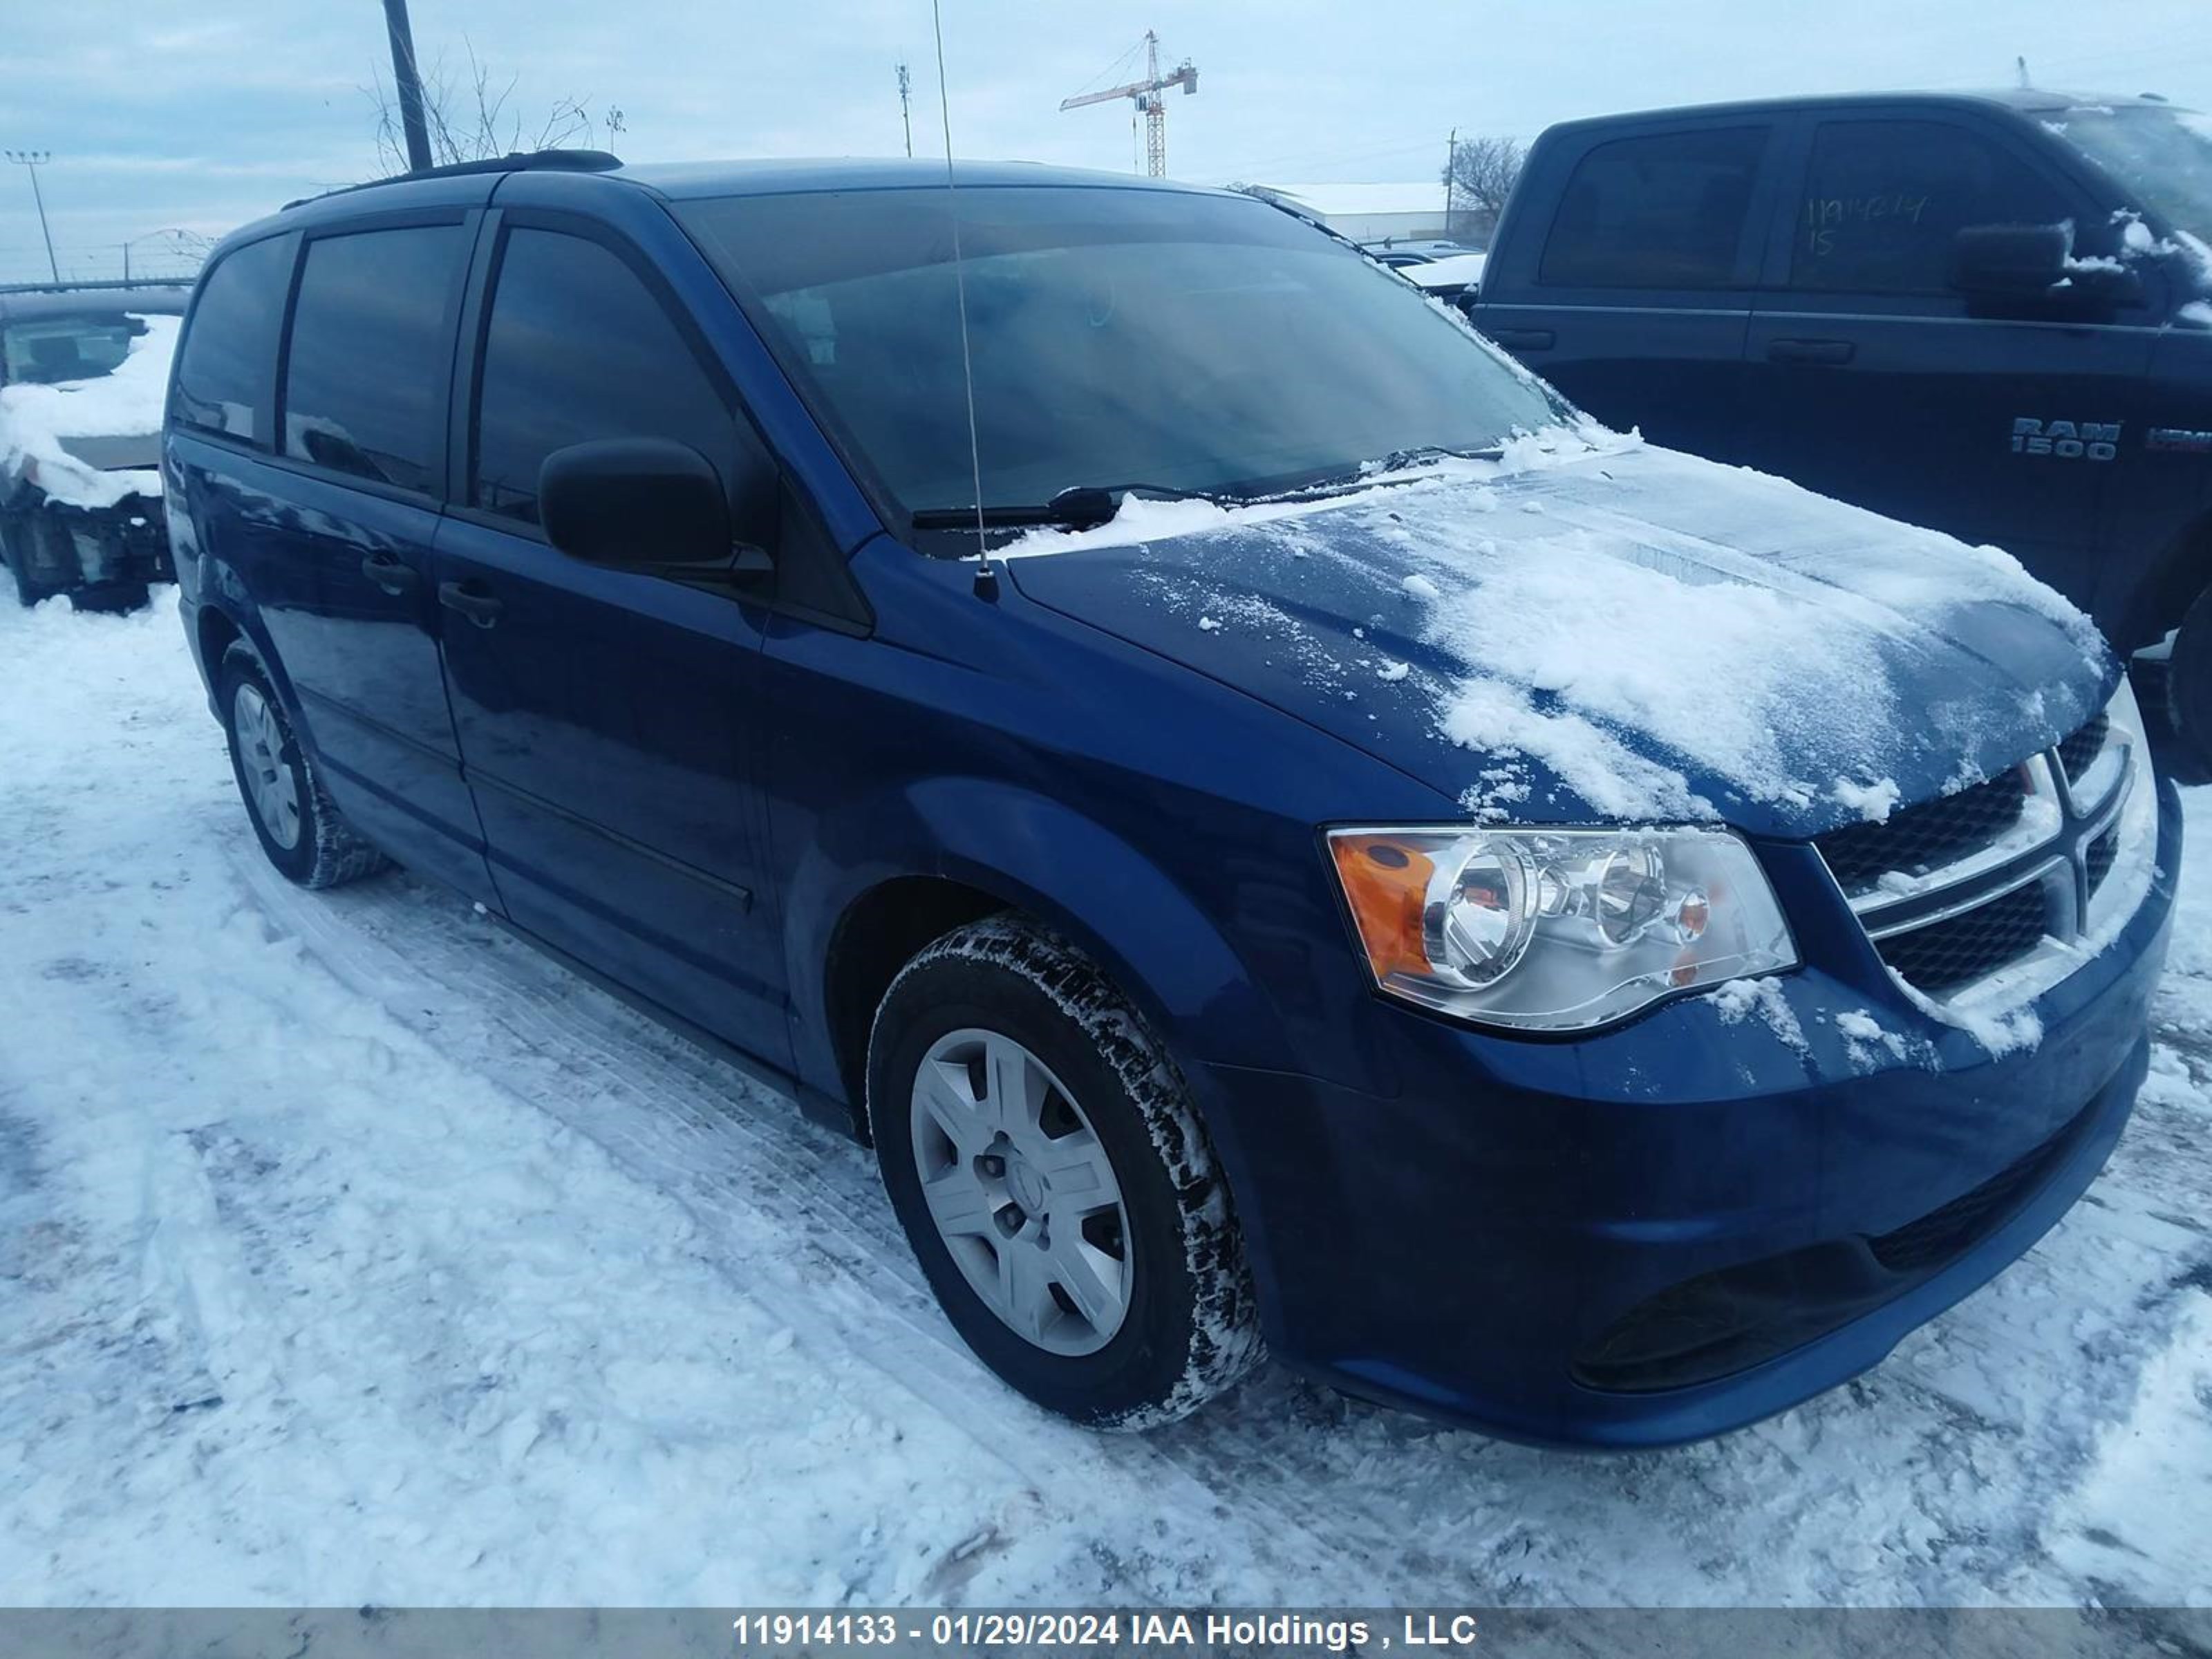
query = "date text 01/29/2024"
{"x": 1090, "y": 1630}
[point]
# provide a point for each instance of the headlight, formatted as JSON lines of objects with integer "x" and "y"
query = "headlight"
{"x": 1556, "y": 930}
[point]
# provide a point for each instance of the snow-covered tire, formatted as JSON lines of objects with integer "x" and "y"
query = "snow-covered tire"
{"x": 307, "y": 838}
{"x": 1187, "y": 1328}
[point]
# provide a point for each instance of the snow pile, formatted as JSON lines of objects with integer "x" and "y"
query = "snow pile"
{"x": 1867, "y": 1040}
{"x": 1763, "y": 999}
{"x": 2140, "y": 1518}
{"x": 36, "y": 420}
{"x": 1454, "y": 271}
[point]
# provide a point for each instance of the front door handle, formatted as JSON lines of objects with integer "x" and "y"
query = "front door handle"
{"x": 1808, "y": 351}
{"x": 388, "y": 573}
{"x": 472, "y": 601}
{"x": 1524, "y": 339}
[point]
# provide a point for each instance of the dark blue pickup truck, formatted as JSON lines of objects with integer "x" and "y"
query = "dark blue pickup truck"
{"x": 1990, "y": 314}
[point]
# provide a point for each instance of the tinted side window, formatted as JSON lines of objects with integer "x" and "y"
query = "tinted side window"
{"x": 224, "y": 369}
{"x": 1665, "y": 211}
{"x": 366, "y": 376}
{"x": 578, "y": 348}
{"x": 1883, "y": 200}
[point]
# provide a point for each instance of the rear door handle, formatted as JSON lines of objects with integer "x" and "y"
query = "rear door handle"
{"x": 1808, "y": 351}
{"x": 1524, "y": 339}
{"x": 388, "y": 573}
{"x": 472, "y": 601}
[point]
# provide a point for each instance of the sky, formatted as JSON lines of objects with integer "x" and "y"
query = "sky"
{"x": 200, "y": 116}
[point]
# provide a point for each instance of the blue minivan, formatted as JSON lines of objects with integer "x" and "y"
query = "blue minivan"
{"x": 1283, "y": 835}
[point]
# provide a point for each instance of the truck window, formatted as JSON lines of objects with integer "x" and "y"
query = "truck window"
{"x": 1662, "y": 211}
{"x": 578, "y": 348}
{"x": 365, "y": 375}
{"x": 230, "y": 354}
{"x": 1884, "y": 199}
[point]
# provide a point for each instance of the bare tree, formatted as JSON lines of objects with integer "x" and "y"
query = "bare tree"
{"x": 471, "y": 117}
{"x": 1481, "y": 177}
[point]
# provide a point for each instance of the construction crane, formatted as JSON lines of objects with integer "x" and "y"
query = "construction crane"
{"x": 1147, "y": 95}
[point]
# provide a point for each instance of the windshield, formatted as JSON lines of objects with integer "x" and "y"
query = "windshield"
{"x": 47, "y": 350}
{"x": 2163, "y": 156}
{"x": 1120, "y": 337}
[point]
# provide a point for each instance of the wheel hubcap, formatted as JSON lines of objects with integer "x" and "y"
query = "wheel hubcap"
{"x": 269, "y": 788}
{"x": 1021, "y": 1192}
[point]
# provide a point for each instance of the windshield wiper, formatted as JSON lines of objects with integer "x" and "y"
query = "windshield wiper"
{"x": 1398, "y": 459}
{"x": 1338, "y": 481}
{"x": 1080, "y": 506}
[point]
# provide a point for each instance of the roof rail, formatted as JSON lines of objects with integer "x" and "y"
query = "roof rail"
{"x": 520, "y": 161}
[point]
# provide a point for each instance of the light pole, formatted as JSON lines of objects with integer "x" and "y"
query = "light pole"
{"x": 33, "y": 160}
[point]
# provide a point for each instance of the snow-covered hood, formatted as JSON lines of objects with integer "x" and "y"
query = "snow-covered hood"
{"x": 1597, "y": 630}
{"x": 92, "y": 442}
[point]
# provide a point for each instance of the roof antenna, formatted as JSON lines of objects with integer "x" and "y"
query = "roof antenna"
{"x": 986, "y": 578}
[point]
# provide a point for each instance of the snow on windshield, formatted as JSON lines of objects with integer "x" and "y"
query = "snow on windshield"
{"x": 1453, "y": 270}
{"x": 1629, "y": 618}
{"x": 36, "y": 420}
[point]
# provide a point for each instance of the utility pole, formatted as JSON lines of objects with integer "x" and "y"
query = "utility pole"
{"x": 410, "y": 82}
{"x": 906, "y": 116}
{"x": 31, "y": 161}
{"x": 1451, "y": 178}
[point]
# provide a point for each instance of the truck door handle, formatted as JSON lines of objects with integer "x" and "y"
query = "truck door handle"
{"x": 388, "y": 574}
{"x": 1524, "y": 339}
{"x": 1808, "y": 351}
{"x": 472, "y": 601}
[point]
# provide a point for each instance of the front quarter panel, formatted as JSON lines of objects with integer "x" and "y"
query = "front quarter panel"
{"x": 1163, "y": 822}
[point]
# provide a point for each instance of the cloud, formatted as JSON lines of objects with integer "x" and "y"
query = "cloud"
{"x": 157, "y": 117}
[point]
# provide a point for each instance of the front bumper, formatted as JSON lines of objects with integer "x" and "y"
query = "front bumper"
{"x": 1508, "y": 1240}
{"x": 65, "y": 549}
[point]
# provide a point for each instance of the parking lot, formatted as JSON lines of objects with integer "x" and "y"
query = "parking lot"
{"x": 356, "y": 1254}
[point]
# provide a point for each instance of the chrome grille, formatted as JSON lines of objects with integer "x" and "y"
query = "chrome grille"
{"x": 1919, "y": 839}
{"x": 1953, "y": 891}
{"x": 2075, "y": 754}
{"x": 2102, "y": 852}
{"x": 1956, "y": 952}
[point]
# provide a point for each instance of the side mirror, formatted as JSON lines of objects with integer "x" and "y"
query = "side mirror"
{"x": 2035, "y": 264}
{"x": 646, "y": 504}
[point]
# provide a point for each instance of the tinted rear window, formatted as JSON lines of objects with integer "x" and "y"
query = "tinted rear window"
{"x": 230, "y": 353}
{"x": 50, "y": 351}
{"x": 1662, "y": 211}
{"x": 371, "y": 353}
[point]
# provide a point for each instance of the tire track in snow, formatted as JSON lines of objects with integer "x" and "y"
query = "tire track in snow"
{"x": 1954, "y": 1473}
{"x": 1966, "y": 1410}
{"x": 753, "y": 1172}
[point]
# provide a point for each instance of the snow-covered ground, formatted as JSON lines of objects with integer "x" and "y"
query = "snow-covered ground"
{"x": 351, "y": 1253}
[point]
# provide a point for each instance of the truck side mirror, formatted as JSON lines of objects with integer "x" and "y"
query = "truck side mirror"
{"x": 2035, "y": 264}
{"x": 647, "y": 504}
